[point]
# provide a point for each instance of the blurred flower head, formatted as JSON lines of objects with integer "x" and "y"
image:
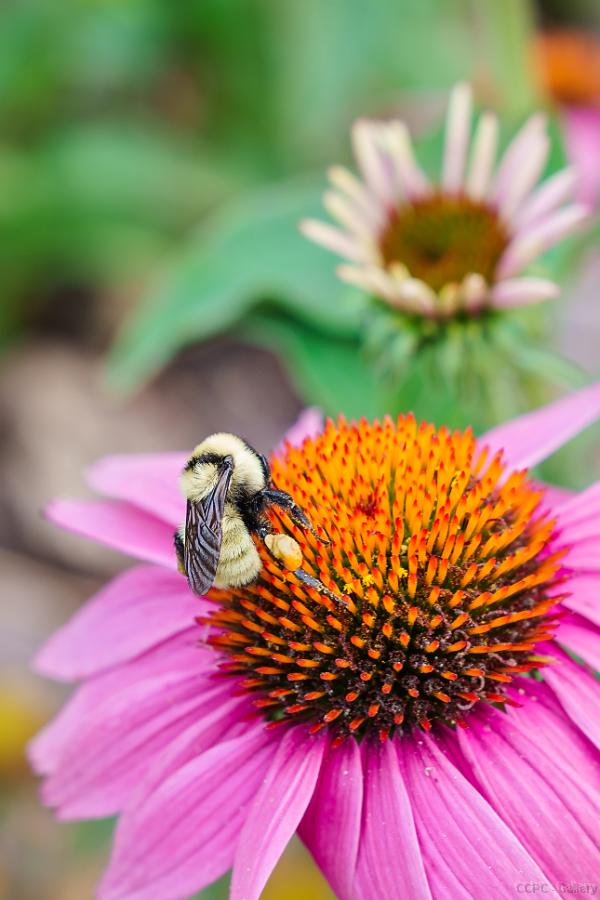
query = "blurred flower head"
{"x": 217, "y": 727}
{"x": 457, "y": 247}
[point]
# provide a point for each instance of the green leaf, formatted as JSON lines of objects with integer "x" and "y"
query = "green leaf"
{"x": 248, "y": 255}
{"x": 329, "y": 372}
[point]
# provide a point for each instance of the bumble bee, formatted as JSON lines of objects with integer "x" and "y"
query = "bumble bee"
{"x": 228, "y": 487}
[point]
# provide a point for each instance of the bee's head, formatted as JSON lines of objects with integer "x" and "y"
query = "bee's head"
{"x": 216, "y": 454}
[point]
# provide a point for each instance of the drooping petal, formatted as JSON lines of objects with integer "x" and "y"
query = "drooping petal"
{"x": 535, "y": 240}
{"x": 525, "y": 291}
{"x": 331, "y": 826}
{"x": 183, "y": 835}
{"x": 531, "y": 438}
{"x": 308, "y": 424}
{"x": 180, "y": 655}
{"x": 551, "y": 194}
{"x": 542, "y": 778}
{"x": 468, "y": 850}
{"x": 135, "y": 611}
{"x": 578, "y": 693}
{"x": 390, "y": 863}
{"x": 276, "y": 812}
{"x": 149, "y": 481}
{"x": 582, "y": 137}
{"x": 555, "y": 496}
{"x": 333, "y": 239}
{"x": 579, "y": 514}
{"x": 119, "y": 525}
{"x": 103, "y": 764}
{"x": 582, "y": 638}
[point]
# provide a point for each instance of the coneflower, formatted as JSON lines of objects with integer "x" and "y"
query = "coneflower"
{"x": 393, "y": 720}
{"x": 457, "y": 247}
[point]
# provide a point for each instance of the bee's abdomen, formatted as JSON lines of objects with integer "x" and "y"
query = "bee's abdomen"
{"x": 239, "y": 562}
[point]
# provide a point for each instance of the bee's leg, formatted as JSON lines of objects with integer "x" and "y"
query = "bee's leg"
{"x": 297, "y": 514}
{"x": 178, "y": 541}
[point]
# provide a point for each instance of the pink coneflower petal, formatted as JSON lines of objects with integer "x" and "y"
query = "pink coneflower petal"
{"x": 276, "y": 812}
{"x": 390, "y": 862}
{"x": 183, "y": 836}
{"x": 483, "y": 156}
{"x": 370, "y": 160}
{"x": 105, "y": 762}
{"x": 530, "y": 438}
{"x": 524, "y": 179}
{"x": 331, "y": 826}
{"x": 585, "y": 597}
{"x": 308, "y": 424}
{"x": 541, "y": 777}
{"x": 551, "y": 194}
{"x": 347, "y": 214}
{"x": 148, "y": 480}
{"x": 579, "y": 513}
{"x": 178, "y": 657}
{"x": 519, "y": 150}
{"x": 410, "y": 179}
{"x": 577, "y": 691}
{"x": 354, "y": 190}
{"x": 582, "y": 137}
{"x": 468, "y": 850}
{"x": 538, "y": 238}
{"x": 333, "y": 239}
{"x": 119, "y": 525}
{"x": 524, "y": 291}
{"x": 555, "y": 496}
{"x": 135, "y": 611}
{"x": 458, "y": 126}
{"x": 582, "y": 638}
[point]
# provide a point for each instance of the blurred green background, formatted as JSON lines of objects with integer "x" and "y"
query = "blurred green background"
{"x": 154, "y": 160}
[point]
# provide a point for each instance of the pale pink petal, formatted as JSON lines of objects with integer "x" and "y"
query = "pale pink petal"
{"x": 149, "y": 480}
{"x": 519, "y": 149}
{"x": 467, "y": 849}
{"x": 371, "y": 160}
{"x": 552, "y": 193}
{"x": 136, "y": 610}
{"x": 542, "y": 779}
{"x": 525, "y": 291}
{"x": 390, "y": 862}
{"x": 331, "y": 826}
{"x": 524, "y": 179}
{"x": 103, "y": 764}
{"x": 410, "y": 180}
{"x": 582, "y": 638}
{"x": 119, "y": 525}
{"x": 276, "y": 811}
{"x": 308, "y": 424}
{"x": 585, "y": 596}
{"x": 179, "y": 655}
{"x": 355, "y": 191}
{"x": 183, "y": 835}
{"x": 483, "y": 155}
{"x": 530, "y": 243}
{"x": 533, "y": 437}
{"x": 333, "y": 239}
{"x": 578, "y": 692}
{"x": 458, "y": 126}
{"x": 582, "y": 135}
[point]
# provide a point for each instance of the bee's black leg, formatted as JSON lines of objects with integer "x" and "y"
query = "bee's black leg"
{"x": 297, "y": 514}
{"x": 178, "y": 541}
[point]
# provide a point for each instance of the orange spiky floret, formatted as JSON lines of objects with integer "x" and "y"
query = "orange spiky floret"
{"x": 442, "y": 562}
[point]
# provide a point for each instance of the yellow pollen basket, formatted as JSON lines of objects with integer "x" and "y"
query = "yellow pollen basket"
{"x": 285, "y": 549}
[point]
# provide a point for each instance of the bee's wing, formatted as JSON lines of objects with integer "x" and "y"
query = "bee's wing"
{"x": 203, "y": 535}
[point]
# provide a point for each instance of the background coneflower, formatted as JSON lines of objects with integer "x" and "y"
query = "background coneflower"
{"x": 391, "y": 721}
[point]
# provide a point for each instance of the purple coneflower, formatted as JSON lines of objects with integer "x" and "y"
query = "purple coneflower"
{"x": 460, "y": 246}
{"x": 428, "y": 733}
